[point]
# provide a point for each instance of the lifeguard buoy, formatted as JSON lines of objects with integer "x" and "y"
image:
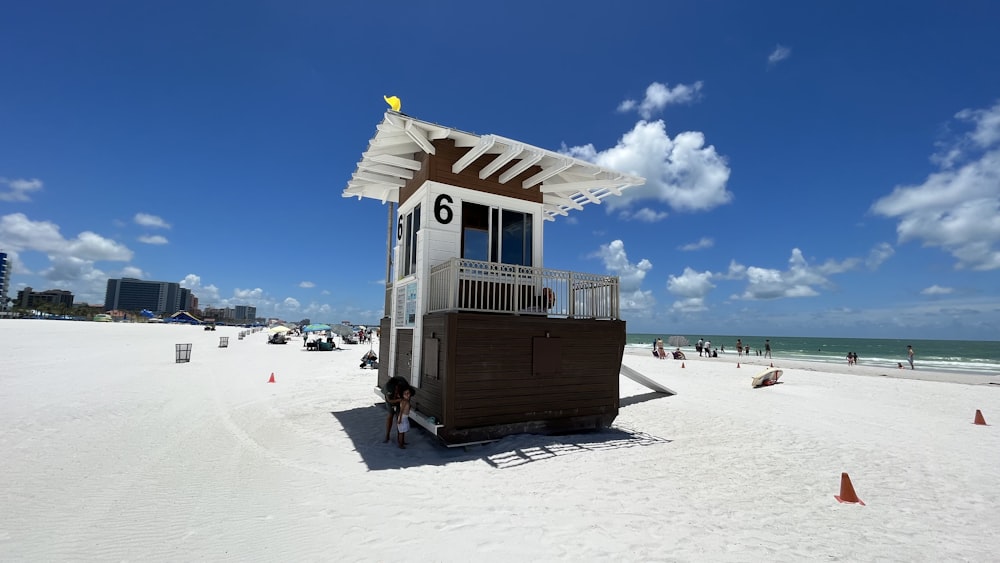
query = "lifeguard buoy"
{"x": 550, "y": 297}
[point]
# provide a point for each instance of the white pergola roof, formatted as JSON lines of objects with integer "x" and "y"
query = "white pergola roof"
{"x": 566, "y": 183}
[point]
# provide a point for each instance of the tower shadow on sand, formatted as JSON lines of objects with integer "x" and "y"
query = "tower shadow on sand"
{"x": 365, "y": 426}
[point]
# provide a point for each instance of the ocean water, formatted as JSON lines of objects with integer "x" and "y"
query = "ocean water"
{"x": 959, "y": 356}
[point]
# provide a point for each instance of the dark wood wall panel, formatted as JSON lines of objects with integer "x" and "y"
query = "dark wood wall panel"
{"x": 439, "y": 170}
{"x": 384, "y": 342}
{"x": 492, "y": 373}
{"x": 419, "y": 177}
{"x": 430, "y": 394}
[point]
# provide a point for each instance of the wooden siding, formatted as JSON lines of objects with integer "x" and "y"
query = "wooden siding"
{"x": 430, "y": 395}
{"x": 404, "y": 353}
{"x": 419, "y": 177}
{"x": 439, "y": 166}
{"x": 489, "y": 386}
{"x": 384, "y": 343}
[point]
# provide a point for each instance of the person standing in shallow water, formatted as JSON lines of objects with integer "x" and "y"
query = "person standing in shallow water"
{"x": 767, "y": 348}
{"x": 909, "y": 355}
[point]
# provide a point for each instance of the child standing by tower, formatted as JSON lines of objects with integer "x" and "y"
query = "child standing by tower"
{"x": 403, "y": 423}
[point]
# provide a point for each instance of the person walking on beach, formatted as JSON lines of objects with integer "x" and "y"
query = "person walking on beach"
{"x": 909, "y": 355}
{"x": 659, "y": 349}
{"x": 403, "y": 422}
{"x": 767, "y": 348}
{"x": 700, "y": 345}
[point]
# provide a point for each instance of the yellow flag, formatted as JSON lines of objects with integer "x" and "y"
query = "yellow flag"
{"x": 393, "y": 102}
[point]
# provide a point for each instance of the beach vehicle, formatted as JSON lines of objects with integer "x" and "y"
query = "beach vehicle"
{"x": 103, "y": 318}
{"x": 495, "y": 342}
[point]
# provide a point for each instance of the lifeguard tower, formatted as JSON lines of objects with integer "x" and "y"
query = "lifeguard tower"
{"x": 494, "y": 342}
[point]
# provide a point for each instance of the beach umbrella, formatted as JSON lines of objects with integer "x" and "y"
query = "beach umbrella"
{"x": 278, "y": 328}
{"x": 342, "y": 330}
{"x": 316, "y": 328}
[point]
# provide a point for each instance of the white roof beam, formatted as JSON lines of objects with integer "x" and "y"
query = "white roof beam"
{"x": 386, "y": 169}
{"x": 419, "y": 138}
{"x": 408, "y": 148}
{"x": 520, "y": 167}
{"x": 553, "y": 199}
{"x": 546, "y": 173}
{"x": 485, "y": 143}
{"x": 435, "y": 134}
{"x": 391, "y": 139}
{"x": 587, "y": 185}
{"x": 393, "y": 160}
{"x": 590, "y": 196}
{"x": 379, "y": 179}
{"x": 500, "y": 161}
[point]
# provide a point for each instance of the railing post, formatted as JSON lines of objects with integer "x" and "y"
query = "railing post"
{"x": 453, "y": 281}
{"x": 571, "y": 298}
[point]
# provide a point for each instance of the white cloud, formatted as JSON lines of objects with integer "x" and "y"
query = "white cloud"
{"x": 255, "y": 295}
{"x": 317, "y": 309}
{"x": 290, "y": 304}
{"x": 133, "y": 272}
{"x": 703, "y": 243}
{"x": 307, "y": 284}
{"x": 20, "y": 233}
{"x": 799, "y": 280}
{"x": 327, "y": 291}
{"x": 645, "y": 215}
{"x": 879, "y": 254}
{"x": 956, "y": 209}
{"x": 682, "y": 172}
{"x": 689, "y": 305}
{"x": 616, "y": 261}
{"x": 18, "y": 189}
{"x": 630, "y": 276}
{"x": 659, "y": 96}
{"x": 987, "y": 125}
{"x": 207, "y": 294}
{"x": 147, "y": 220}
{"x": 690, "y": 283}
{"x": 779, "y": 54}
{"x": 153, "y": 239}
{"x": 937, "y": 290}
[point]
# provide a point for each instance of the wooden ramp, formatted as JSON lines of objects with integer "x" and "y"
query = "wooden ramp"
{"x": 643, "y": 380}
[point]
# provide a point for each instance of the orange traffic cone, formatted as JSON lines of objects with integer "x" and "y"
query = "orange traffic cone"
{"x": 772, "y": 364}
{"x": 682, "y": 364}
{"x": 847, "y": 493}
{"x": 737, "y": 364}
{"x": 979, "y": 418}
{"x": 272, "y": 378}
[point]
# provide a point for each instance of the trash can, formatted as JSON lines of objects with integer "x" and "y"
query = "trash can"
{"x": 223, "y": 342}
{"x": 183, "y": 353}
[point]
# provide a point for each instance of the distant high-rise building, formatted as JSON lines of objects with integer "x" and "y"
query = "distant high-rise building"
{"x": 184, "y": 299}
{"x": 29, "y": 299}
{"x": 130, "y": 294}
{"x": 4, "y": 280}
{"x": 245, "y": 313}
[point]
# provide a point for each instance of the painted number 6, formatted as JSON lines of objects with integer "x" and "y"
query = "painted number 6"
{"x": 442, "y": 212}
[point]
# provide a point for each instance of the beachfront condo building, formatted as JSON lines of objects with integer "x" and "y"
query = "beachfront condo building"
{"x": 28, "y": 298}
{"x": 130, "y": 294}
{"x": 245, "y": 313}
{"x": 4, "y": 281}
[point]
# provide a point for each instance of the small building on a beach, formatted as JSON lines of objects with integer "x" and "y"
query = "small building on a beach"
{"x": 494, "y": 342}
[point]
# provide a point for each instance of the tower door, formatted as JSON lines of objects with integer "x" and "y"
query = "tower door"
{"x": 402, "y": 366}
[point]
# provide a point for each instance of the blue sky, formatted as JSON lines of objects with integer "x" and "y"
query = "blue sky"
{"x": 814, "y": 169}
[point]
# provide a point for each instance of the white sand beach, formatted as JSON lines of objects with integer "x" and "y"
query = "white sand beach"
{"x": 109, "y": 450}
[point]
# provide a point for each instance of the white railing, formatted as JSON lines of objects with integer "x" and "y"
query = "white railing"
{"x": 473, "y": 285}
